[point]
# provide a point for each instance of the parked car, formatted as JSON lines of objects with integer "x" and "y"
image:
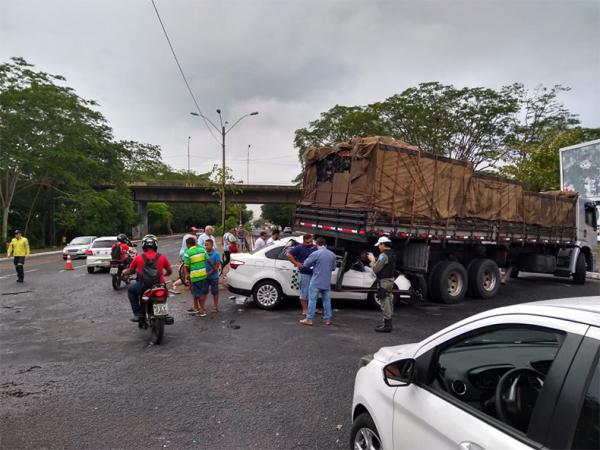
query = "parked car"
{"x": 269, "y": 277}
{"x": 78, "y": 247}
{"x": 520, "y": 377}
{"x": 287, "y": 230}
{"x": 98, "y": 255}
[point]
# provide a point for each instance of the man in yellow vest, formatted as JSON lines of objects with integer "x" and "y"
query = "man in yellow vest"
{"x": 19, "y": 248}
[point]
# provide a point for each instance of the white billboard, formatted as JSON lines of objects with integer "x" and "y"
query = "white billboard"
{"x": 580, "y": 169}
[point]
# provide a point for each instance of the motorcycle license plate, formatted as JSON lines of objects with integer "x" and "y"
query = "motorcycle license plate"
{"x": 114, "y": 270}
{"x": 160, "y": 309}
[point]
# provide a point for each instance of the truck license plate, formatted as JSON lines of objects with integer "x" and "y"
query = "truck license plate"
{"x": 160, "y": 309}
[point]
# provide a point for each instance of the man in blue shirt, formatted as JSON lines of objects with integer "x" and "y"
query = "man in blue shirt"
{"x": 212, "y": 274}
{"x": 323, "y": 263}
{"x": 297, "y": 256}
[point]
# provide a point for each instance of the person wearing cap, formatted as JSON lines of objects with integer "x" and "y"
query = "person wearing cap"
{"x": 186, "y": 236}
{"x": 384, "y": 267}
{"x": 19, "y": 248}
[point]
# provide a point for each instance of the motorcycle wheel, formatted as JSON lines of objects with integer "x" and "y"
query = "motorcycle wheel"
{"x": 158, "y": 330}
{"x": 182, "y": 275}
{"x": 116, "y": 282}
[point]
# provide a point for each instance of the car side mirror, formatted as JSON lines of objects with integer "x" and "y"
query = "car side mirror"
{"x": 399, "y": 373}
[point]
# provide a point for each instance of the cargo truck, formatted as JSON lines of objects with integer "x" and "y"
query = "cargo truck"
{"x": 455, "y": 232}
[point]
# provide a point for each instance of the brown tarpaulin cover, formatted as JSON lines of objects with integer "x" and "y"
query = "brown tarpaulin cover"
{"x": 395, "y": 178}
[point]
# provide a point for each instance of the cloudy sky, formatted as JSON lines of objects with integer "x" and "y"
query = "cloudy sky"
{"x": 291, "y": 60}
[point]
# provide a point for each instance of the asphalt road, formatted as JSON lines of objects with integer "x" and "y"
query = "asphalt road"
{"x": 75, "y": 373}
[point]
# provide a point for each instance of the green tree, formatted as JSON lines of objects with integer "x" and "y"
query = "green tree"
{"x": 538, "y": 164}
{"x": 279, "y": 214}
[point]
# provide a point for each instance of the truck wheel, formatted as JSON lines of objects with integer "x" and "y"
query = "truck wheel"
{"x": 267, "y": 294}
{"x": 448, "y": 282}
{"x": 579, "y": 275}
{"x": 484, "y": 278}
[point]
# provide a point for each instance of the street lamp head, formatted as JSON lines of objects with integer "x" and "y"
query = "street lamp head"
{"x": 218, "y": 111}
{"x": 194, "y": 113}
{"x": 255, "y": 113}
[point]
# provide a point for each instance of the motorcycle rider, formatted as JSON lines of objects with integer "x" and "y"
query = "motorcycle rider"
{"x": 136, "y": 289}
{"x": 124, "y": 243}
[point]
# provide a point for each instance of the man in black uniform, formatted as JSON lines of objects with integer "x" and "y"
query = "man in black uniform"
{"x": 384, "y": 267}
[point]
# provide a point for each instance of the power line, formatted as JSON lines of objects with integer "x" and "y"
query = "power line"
{"x": 182, "y": 73}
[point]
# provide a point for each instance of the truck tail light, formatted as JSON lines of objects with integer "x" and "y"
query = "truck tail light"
{"x": 234, "y": 263}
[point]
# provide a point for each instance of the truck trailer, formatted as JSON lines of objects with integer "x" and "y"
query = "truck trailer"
{"x": 455, "y": 232}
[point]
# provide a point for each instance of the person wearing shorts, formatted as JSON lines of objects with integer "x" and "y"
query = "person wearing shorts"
{"x": 297, "y": 255}
{"x": 212, "y": 275}
{"x": 195, "y": 258}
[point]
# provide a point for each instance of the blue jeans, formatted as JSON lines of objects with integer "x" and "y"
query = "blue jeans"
{"x": 134, "y": 292}
{"x": 313, "y": 295}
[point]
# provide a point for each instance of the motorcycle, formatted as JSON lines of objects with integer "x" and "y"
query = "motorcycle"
{"x": 116, "y": 270}
{"x": 155, "y": 312}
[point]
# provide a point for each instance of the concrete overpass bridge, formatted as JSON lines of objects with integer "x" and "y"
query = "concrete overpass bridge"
{"x": 184, "y": 192}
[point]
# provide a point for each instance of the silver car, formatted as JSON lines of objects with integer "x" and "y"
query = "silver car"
{"x": 78, "y": 247}
{"x": 98, "y": 255}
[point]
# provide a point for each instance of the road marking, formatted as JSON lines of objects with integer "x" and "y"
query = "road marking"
{"x": 74, "y": 268}
{"x": 14, "y": 274}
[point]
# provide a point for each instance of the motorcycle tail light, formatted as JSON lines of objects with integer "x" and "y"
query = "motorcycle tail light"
{"x": 89, "y": 253}
{"x": 160, "y": 295}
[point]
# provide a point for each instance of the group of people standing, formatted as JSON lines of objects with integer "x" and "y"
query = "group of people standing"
{"x": 315, "y": 264}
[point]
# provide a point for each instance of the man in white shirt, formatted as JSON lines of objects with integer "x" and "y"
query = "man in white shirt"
{"x": 228, "y": 239}
{"x": 274, "y": 237}
{"x": 261, "y": 241}
{"x": 183, "y": 248}
{"x": 208, "y": 234}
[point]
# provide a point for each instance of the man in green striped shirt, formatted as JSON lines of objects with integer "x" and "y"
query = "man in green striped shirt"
{"x": 195, "y": 260}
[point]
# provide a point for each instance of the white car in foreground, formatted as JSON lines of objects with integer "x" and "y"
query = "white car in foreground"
{"x": 520, "y": 377}
{"x": 269, "y": 277}
{"x": 98, "y": 255}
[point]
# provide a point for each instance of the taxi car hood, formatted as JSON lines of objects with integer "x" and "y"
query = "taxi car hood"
{"x": 387, "y": 355}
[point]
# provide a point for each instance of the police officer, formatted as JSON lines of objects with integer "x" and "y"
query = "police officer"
{"x": 384, "y": 267}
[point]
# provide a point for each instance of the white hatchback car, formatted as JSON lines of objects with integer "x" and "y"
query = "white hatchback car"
{"x": 269, "y": 277}
{"x": 98, "y": 255}
{"x": 520, "y": 377}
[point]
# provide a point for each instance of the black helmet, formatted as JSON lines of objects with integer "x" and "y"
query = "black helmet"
{"x": 122, "y": 238}
{"x": 149, "y": 242}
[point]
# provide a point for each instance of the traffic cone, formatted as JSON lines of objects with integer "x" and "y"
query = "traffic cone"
{"x": 69, "y": 264}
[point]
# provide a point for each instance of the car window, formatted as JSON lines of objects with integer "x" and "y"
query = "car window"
{"x": 278, "y": 253}
{"x": 587, "y": 433}
{"x": 80, "y": 241}
{"x": 499, "y": 371}
{"x": 103, "y": 244}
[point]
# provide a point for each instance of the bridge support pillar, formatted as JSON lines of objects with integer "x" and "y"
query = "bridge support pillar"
{"x": 141, "y": 228}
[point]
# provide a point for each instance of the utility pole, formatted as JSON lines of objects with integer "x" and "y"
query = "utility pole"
{"x": 189, "y": 171}
{"x": 248, "y": 166}
{"x": 223, "y": 131}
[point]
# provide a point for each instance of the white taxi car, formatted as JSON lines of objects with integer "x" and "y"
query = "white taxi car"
{"x": 521, "y": 377}
{"x": 269, "y": 277}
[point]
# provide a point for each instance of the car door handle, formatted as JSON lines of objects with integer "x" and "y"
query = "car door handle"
{"x": 466, "y": 445}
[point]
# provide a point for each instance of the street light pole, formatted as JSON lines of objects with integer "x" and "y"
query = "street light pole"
{"x": 188, "y": 155}
{"x": 223, "y": 131}
{"x": 248, "y": 166}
